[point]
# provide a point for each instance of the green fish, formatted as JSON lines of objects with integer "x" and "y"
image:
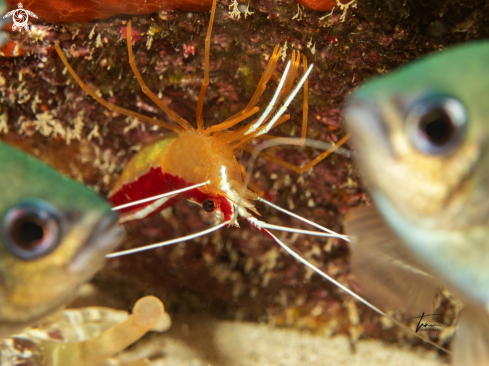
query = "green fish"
{"x": 422, "y": 136}
{"x": 54, "y": 235}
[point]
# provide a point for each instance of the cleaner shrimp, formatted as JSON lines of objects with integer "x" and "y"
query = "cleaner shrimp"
{"x": 199, "y": 164}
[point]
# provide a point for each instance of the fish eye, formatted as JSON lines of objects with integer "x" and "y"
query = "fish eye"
{"x": 209, "y": 205}
{"x": 31, "y": 229}
{"x": 436, "y": 124}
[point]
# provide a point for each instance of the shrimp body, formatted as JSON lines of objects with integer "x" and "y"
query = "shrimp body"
{"x": 177, "y": 161}
{"x": 205, "y": 157}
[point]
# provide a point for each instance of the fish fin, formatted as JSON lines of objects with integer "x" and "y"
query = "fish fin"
{"x": 472, "y": 337}
{"x": 387, "y": 272}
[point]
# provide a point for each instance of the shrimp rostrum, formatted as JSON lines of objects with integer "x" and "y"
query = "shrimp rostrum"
{"x": 199, "y": 164}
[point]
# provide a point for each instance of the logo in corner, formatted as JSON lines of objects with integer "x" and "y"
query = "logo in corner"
{"x": 20, "y": 17}
{"x": 427, "y": 326}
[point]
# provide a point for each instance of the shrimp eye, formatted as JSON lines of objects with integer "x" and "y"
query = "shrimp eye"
{"x": 209, "y": 205}
{"x": 31, "y": 229}
{"x": 436, "y": 124}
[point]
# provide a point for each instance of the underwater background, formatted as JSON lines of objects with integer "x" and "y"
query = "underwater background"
{"x": 212, "y": 285}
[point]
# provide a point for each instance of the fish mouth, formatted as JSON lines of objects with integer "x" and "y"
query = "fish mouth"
{"x": 106, "y": 235}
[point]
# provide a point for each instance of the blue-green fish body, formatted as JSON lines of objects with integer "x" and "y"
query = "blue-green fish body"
{"x": 422, "y": 135}
{"x": 54, "y": 234}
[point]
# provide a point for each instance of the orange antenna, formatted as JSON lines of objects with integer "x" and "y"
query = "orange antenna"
{"x": 205, "y": 82}
{"x": 148, "y": 92}
{"x": 108, "y": 105}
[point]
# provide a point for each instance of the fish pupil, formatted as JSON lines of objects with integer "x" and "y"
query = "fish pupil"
{"x": 208, "y": 205}
{"x": 437, "y": 126}
{"x": 30, "y": 232}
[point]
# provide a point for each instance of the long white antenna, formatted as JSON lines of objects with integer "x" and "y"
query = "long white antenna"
{"x": 350, "y": 292}
{"x": 344, "y": 237}
{"x": 262, "y": 224}
{"x": 154, "y": 198}
{"x": 168, "y": 242}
